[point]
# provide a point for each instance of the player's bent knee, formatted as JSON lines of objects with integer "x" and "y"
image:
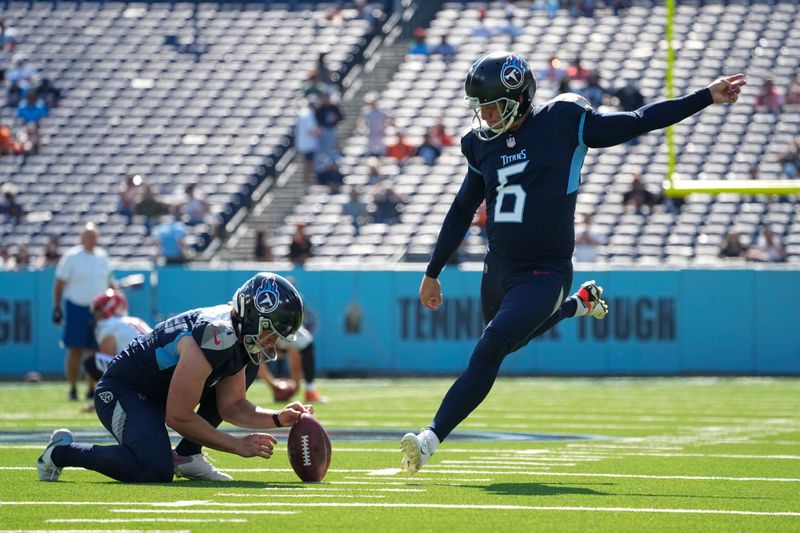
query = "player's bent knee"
{"x": 491, "y": 349}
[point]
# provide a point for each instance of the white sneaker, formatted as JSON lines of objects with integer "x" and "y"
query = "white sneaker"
{"x": 44, "y": 464}
{"x": 417, "y": 449}
{"x": 589, "y": 296}
{"x": 197, "y": 467}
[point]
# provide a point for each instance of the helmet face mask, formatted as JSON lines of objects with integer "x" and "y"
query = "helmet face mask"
{"x": 504, "y": 80}
{"x": 506, "y": 111}
{"x": 267, "y": 308}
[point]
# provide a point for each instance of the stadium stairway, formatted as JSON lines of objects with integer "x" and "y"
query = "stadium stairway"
{"x": 273, "y": 209}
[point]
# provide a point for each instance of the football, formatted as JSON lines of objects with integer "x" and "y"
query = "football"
{"x": 284, "y": 391}
{"x": 309, "y": 449}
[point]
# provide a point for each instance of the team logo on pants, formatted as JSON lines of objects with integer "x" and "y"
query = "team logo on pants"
{"x": 106, "y": 396}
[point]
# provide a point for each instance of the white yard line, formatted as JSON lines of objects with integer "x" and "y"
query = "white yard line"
{"x": 96, "y": 530}
{"x": 127, "y": 520}
{"x": 466, "y": 507}
{"x": 326, "y": 489}
{"x": 295, "y": 495}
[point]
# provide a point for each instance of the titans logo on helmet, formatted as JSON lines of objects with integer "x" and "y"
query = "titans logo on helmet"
{"x": 512, "y": 75}
{"x": 267, "y": 296}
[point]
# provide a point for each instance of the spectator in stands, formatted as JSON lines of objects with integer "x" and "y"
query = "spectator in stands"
{"x": 619, "y": 6}
{"x": 577, "y": 72}
{"x": 49, "y": 93}
{"x": 195, "y": 205}
{"x": 129, "y": 195}
{"x": 33, "y": 108}
{"x": 170, "y": 240}
{"x": 553, "y": 74}
{"x": 445, "y": 49}
{"x": 9, "y": 145}
{"x": 793, "y": 92}
{"x": 51, "y": 256}
{"x": 263, "y": 251}
{"x": 401, "y": 148}
{"x": 9, "y": 206}
{"x": 356, "y": 208}
{"x": 732, "y": 245}
{"x": 638, "y": 196}
{"x": 586, "y": 241}
{"x": 767, "y": 249}
{"x": 439, "y": 136}
{"x": 374, "y": 174}
{"x": 315, "y": 86}
{"x": 5, "y": 259}
{"x": 364, "y": 12}
{"x": 324, "y": 73}
{"x": 301, "y": 247}
{"x": 328, "y": 116}
{"x": 564, "y": 86}
{"x": 82, "y": 272}
{"x": 8, "y": 35}
{"x": 388, "y": 206}
{"x": 330, "y": 175}
{"x": 769, "y": 98}
{"x": 14, "y": 95}
{"x": 593, "y": 92}
{"x": 482, "y": 30}
{"x": 22, "y": 259}
{"x": 151, "y": 206}
{"x": 373, "y": 122}
{"x": 22, "y": 73}
{"x": 306, "y": 138}
{"x": 790, "y": 159}
{"x": 629, "y": 97}
{"x": 510, "y": 28}
{"x": 418, "y": 45}
{"x": 428, "y": 151}
{"x": 29, "y": 139}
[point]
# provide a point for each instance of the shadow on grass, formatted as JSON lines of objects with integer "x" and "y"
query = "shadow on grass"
{"x": 538, "y": 489}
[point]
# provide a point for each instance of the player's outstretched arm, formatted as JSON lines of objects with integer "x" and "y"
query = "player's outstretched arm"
{"x": 609, "y": 129}
{"x": 726, "y": 90}
{"x": 430, "y": 293}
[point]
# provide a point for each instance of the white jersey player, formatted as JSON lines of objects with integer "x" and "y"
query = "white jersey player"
{"x": 114, "y": 330}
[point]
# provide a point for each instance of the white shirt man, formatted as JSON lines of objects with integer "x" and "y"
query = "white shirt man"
{"x": 82, "y": 272}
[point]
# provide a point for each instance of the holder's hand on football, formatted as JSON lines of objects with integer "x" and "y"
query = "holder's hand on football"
{"x": 256, "y": 444}
{"x": 726, "y": 90}
{"x": 290, "y": 414}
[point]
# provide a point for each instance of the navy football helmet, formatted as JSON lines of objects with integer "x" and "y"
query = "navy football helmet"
{"x": 266, "y": 304}
{"x": 504, "y": 79}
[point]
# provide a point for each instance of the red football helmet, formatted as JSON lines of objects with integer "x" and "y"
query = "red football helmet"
{"x": 110, "y": 303}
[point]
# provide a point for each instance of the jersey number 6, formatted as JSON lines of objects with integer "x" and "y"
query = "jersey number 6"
{"x": 515, "y": 191}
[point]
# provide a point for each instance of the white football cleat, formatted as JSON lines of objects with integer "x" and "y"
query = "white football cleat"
{"x": 198, "y": 468}
{"x": 44, "y": 464}
{"x": 417, "y": 449}
{"x": 589, "y": 295}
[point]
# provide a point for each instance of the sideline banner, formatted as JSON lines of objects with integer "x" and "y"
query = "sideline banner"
{"x": 661, "y": 322}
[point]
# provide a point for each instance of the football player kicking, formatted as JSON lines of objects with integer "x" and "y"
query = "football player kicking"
{"x": 160, "y": 377}
{"x": 525, "y": 161}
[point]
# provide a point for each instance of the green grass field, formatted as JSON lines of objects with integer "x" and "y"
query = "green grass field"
{"x": 642, "y": 455}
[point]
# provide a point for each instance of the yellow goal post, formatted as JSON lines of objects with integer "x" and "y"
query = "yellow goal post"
{"x": 675, "y": 187}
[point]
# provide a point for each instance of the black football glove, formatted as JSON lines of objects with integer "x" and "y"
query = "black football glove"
{"x": 57, "y": 316}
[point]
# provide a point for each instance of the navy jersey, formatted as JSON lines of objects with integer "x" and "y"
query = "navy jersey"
{"x": 147, "y": 364}
{"x": 529, "y": 177}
